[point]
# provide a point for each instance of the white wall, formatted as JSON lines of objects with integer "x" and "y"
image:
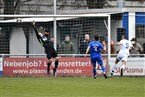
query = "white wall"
{"x": 34, "y": 46}
{"x": 17, "y": 41}
{"x": 134, "y": 67}
{"x": 1, "y": 64}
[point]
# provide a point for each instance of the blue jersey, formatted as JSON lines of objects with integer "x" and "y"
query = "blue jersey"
{"x": 95, "y": 48}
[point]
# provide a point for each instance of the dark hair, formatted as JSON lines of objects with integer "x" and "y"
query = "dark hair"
{"x": 66, "y": 35}
{"x": 96, "y": 37}
{"x": 133, "y": 39}
{"x": 46, "y": 30}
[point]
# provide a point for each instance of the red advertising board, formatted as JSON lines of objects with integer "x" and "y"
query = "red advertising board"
{"x": 75, "y": 66}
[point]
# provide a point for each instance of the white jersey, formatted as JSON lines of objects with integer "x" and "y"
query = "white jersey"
{"x": 125, "y": 46}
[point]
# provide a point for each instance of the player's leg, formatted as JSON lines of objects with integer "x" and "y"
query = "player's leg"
{"x": 55, "y": 67}
{"x": 118, "y": 58}
{"x": 116, "y": 62}
{"x": 124, "y": 60}
{"x": 113, "y": 68}
{"x": 48, "y": 66}
{"x": 100, "y": 62}
{"x": 104, "y": 70}
{"x": 56, "y": 63}
{"x": 122, "y": 67}
{"x": 49, "y": 62}
{"x": 94, "y": 68}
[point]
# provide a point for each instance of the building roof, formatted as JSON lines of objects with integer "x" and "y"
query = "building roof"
{"x": 86, "y": 12}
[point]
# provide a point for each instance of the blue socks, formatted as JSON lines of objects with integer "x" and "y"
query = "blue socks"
{"x": 103, "y": 68}
{"x": 94, "y": 71}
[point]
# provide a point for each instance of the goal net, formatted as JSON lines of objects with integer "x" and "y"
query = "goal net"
{"x": 23, "y": 55}
{"x": 19, "y": 42}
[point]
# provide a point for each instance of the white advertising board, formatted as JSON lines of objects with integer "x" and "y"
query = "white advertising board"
{"x": 134, "y": 67}
{"x": 1, "y": 65}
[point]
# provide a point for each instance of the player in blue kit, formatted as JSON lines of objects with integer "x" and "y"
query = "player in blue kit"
{"x": 95, "y": 48}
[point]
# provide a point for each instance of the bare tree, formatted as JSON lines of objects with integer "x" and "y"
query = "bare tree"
{"x": 12, "y": 6}
{"x": 71, "y": 4}
{"x": 91, "y": 4}
{"x": 1, "y": 4}
{"x": 97, "y": 3}
{"x": 9, "y": 7}
{"x": 84, "y": 4}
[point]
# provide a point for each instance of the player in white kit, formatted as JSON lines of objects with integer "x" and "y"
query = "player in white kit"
{"x": 125, "y": 46}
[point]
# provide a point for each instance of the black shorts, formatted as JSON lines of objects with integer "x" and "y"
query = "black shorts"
{"x": 51, "y": 54}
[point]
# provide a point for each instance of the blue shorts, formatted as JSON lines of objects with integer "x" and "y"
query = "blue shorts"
{"x": 96, "y": 59}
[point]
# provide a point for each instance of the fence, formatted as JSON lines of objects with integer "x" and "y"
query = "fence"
{"x": 35, "y": 65}
{"x": 78, "y": 19}
{"x": 18, "y": 35}
{"x": 20, "y": 38}
{"x": 69, "y": 65}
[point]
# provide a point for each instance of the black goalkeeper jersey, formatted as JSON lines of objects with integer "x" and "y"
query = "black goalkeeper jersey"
{"x": 47, "y": 44}
{"x": 45, "y": 41}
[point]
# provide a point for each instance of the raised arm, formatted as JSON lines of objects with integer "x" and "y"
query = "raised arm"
{"x": 37, "y": 34}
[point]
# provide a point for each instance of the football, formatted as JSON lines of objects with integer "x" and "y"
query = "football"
{"x": 18, "y": 20}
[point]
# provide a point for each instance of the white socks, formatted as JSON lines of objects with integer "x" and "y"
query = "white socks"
{"x": 114, "y": 67}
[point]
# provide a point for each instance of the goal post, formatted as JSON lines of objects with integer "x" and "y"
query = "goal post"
{"x": 59, "y": 25}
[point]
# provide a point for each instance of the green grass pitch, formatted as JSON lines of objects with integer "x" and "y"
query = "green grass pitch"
{"x": 72, "y": 87}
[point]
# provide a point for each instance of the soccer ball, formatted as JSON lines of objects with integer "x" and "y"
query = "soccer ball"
{"x": 19, "y": 20}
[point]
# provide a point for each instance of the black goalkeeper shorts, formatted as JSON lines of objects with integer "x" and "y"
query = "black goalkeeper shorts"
{"x": 51, "y": 54}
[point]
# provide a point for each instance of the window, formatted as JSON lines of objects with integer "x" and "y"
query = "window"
{"x": 140, "y": 31}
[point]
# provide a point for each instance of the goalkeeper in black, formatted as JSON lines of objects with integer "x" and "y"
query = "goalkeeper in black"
{"x": 49, "y": 49}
